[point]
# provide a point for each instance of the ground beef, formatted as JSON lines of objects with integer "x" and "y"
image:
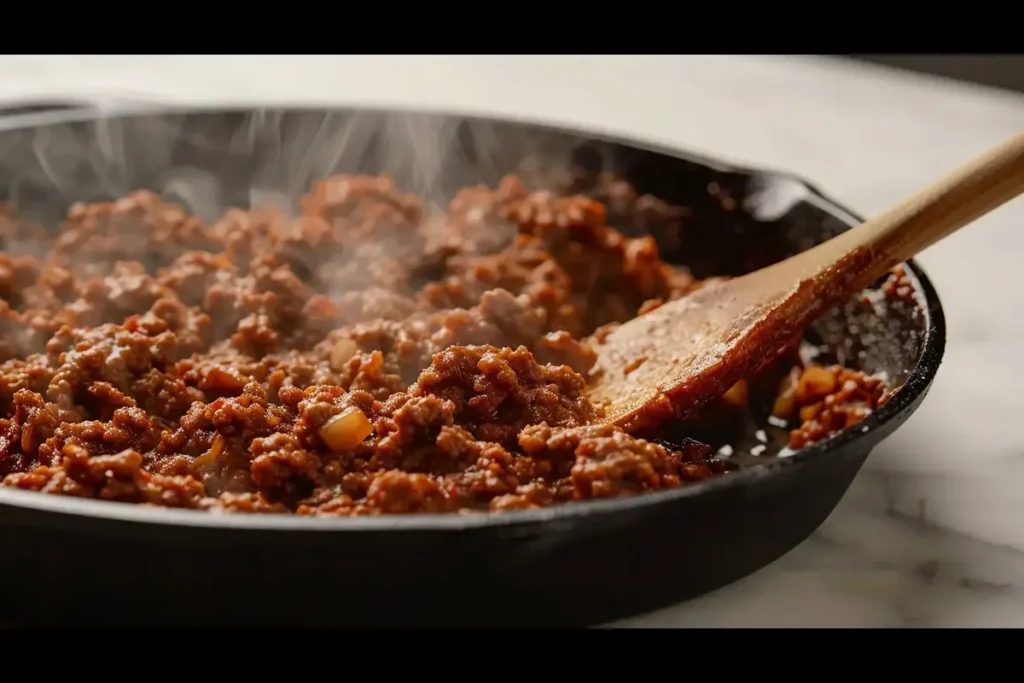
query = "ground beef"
{"x": 366, "y": 356}
{"x": 826, "y": 400}
{"x": 497, "y": 393}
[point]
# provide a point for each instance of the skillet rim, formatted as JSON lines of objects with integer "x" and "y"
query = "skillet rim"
{"x": 903, "y": 401}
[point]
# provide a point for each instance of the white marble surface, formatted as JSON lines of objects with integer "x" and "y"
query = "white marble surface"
{"x": 932, "y": 531}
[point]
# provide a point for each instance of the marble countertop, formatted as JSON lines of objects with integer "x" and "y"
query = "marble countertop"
{"x": 932, "y": 531}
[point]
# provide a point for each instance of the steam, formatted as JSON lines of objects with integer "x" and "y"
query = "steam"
{"x": 266, "y": 159}
{"x": 212, "y": 161}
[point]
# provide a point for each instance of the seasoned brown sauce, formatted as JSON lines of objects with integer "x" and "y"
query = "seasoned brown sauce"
{"x": 365, "y": 356}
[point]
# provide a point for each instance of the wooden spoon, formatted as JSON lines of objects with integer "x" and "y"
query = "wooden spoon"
{"x": 673, "y": 360}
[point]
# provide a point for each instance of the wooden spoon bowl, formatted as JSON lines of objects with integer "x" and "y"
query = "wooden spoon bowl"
{"x": 670, "y": 362}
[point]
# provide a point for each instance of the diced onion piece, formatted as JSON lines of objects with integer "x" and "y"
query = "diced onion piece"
{"x": 785, "y": 401}
{"x": 346, "y": 431}
{"x": 815, "y": 384}
{"x": 210, "y": 456}
{"x": 810, "y": 412}
{"x": 738, "y": 396}
{"x": 342, "y": 352}
{"x": 784, "y": 406}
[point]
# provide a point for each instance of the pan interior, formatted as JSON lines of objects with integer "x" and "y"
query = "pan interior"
{"x": 735, "y": 220}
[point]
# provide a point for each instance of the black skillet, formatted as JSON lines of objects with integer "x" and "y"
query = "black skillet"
{"x": 96, "y": 563}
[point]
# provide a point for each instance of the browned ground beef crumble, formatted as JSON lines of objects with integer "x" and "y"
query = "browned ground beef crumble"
{"x": 366, "y": 356}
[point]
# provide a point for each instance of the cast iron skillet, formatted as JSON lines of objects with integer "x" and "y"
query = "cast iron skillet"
{"x": 75, "y": 561}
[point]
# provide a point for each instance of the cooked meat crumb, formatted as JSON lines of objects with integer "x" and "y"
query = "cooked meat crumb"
{"x": 366, "y": 356}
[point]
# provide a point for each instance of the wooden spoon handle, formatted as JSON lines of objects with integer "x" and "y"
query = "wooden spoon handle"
{"x": 936, "y": 211}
